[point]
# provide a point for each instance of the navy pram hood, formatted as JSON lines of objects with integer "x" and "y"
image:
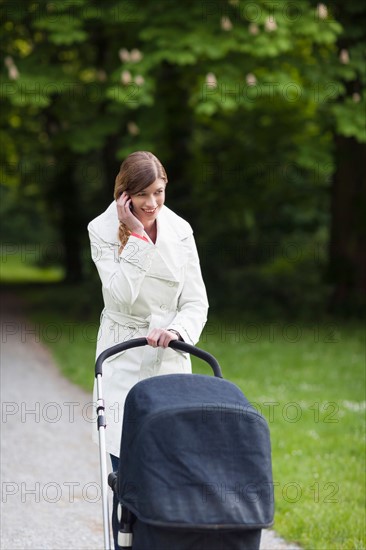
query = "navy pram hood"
{"x": 195, "y": 454}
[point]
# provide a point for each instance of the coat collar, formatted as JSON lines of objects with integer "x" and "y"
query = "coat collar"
{"x": 107, "y": 224}
{"x": 170, "y": 255}
{"x": 171, "y": 227}
{"x": 172, "y": 231}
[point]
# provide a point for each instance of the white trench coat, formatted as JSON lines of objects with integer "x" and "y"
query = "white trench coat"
{"x": 146, "y": 286}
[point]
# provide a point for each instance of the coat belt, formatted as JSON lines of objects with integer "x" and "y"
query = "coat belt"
{"x": 151, "y": 357}
{"x": 123, "y": 319}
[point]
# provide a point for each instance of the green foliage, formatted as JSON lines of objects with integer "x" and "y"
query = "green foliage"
{"x": 240, "y": 100}
{"x": 350, "y": 118}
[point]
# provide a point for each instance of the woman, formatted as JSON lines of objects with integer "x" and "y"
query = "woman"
{"x": 152, "y": 285}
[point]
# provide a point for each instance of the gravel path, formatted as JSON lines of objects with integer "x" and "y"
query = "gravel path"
{"x": 49, "y": 466}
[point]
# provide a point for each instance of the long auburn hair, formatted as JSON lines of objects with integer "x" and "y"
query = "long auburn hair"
{"x": 139, "y": 170}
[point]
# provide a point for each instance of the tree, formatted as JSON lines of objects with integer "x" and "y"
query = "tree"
{"x": 240, "y": 101}
{"x": 347, "y": 259}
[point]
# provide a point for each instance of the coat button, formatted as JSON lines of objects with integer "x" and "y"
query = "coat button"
{"x": 171, "y": 283}
{"x": 163, "y": 307}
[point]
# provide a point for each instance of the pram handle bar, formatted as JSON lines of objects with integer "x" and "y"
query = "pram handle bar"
{"x": 198, "y": 352}
{"x": 174, "y": 344}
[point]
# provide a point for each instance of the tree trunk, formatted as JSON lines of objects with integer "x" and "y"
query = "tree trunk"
{"x": 110, "y": 168}
{"x": 177, "y": 133}
{"x": 71, "y": 222}
{"x": 347, "y": 260}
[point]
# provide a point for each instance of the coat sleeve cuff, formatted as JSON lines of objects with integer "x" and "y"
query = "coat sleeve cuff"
{"x": 183, "y": 333}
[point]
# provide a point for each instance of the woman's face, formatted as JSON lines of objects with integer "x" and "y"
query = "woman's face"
{"x": 148, "y": 202}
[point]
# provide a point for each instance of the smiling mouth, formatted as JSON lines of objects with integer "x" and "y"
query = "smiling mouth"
{"x": 149, "y": 211}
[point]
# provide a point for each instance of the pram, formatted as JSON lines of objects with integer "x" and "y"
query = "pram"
{"x": 195, "y": 463}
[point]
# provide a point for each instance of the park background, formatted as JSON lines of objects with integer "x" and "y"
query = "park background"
{"x": 257, "y": 111}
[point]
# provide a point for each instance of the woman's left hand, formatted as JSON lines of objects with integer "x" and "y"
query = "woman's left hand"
{"x": 160, "y": 337}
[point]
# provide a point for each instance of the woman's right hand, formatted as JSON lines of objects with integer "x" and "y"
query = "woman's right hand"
{"x": 126, "y": 216}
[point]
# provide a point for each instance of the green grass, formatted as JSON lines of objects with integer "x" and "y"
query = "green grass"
{"x": 308, "y": 381}
{"x": 19, "y": 265}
